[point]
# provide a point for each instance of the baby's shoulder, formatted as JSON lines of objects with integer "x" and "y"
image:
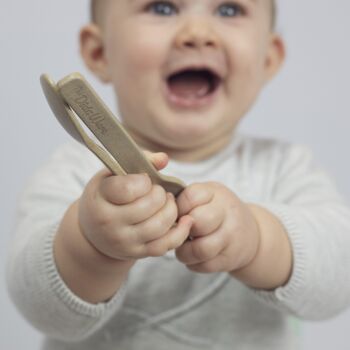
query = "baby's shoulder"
{"x": 270, "y": 149}
{"x": 72, "y": 151}
{"x": 74, "y": 155}
{"x": 69, "y": 162}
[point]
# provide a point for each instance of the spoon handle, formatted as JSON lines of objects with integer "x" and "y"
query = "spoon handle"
{"x": 88, "y": 106}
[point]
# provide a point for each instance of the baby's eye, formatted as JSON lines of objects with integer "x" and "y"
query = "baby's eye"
{"x": 230, "y": 10}
{"x": 163, "y": 8}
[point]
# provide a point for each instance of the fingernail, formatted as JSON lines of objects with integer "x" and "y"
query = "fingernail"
{"x": 188, "y": 220}
{"x": 169, "y": 195}
{"x": 191, "y": 220}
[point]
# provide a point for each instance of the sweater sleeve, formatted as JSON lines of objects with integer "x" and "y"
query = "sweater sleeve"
{"x": 318, "y": 224}
{"x": 34, "y": 283}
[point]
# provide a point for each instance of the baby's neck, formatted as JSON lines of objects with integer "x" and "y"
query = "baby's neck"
{"x": 187, "y": 155}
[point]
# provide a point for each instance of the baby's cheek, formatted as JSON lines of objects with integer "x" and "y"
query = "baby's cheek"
{"x": 145, "y": 51}
{"x": 245, "y": 59}
{"x": 145, "y": 56}
{"x": 133, "y": 54}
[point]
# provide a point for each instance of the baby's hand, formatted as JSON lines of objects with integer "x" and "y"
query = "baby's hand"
{"x": 225, "y": 236}
{"x": 127, "y": 217}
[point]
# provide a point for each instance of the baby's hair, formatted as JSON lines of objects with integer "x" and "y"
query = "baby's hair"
{"x": 94, "y": 11}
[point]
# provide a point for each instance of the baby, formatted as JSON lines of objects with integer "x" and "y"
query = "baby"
{"x": 258, "y": 236}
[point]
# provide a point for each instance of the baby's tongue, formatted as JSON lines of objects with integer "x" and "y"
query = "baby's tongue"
{"x": 189, "y": 85}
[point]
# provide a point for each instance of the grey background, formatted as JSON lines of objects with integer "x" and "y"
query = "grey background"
{"x": 307, "y": 103}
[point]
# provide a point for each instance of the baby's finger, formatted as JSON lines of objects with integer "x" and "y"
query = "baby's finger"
{"x": 124, "y": 189}
{"x": 145, "y": 207}
{"x": 158, "y": 225}
{"x": 200, "y": 249}
{"x": 214, "y": 265}
{"x": 193, "y": 196}
{"x": 159, "y": 159}
{"x": 172, "y": 240}
{"x": 207, "y": 219}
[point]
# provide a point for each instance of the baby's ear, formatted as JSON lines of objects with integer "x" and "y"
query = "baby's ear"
{"x": 92, "y": 51}
{"x": 275, "y": 57}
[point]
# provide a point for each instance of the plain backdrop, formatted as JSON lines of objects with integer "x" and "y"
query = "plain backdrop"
{"x": 307, "y": 103}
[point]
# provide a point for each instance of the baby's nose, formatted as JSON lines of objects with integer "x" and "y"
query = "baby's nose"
{"x": 196, "y": 33}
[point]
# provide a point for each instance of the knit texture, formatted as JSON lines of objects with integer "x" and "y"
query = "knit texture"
{"x": 164, "y": 305}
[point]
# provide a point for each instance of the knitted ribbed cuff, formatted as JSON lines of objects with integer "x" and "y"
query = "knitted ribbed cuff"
{"x": 286, "y": 296}
{"x": 61, "y": 290}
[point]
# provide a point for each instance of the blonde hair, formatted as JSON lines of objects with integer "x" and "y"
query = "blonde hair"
{"x": 93, "y": 10}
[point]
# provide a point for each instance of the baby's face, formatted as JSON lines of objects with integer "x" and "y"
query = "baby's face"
{"x": 186, "y": 71}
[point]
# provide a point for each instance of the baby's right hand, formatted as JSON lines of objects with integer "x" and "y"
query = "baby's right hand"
{"x": 127, "y": 217}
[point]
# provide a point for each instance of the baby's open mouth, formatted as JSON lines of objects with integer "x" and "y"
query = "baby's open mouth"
{"x": 193, "y": 84}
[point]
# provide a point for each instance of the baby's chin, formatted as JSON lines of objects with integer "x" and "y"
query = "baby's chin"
{"x": 162, "y": 128}
{"x": 183, "y": 135}
{"x": 162, "y": 139}
{"x": 179, "y": 142}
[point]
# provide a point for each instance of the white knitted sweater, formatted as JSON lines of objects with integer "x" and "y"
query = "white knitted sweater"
{"x": 163, "y": 305}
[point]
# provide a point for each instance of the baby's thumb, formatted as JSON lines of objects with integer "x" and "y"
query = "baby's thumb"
{"x": 159, "y": 159}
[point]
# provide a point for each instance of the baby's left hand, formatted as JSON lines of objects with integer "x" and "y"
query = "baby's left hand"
{"x": 225, "y": 235}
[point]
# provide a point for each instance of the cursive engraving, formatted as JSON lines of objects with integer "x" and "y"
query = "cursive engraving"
{"x": 95, "y": 116}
